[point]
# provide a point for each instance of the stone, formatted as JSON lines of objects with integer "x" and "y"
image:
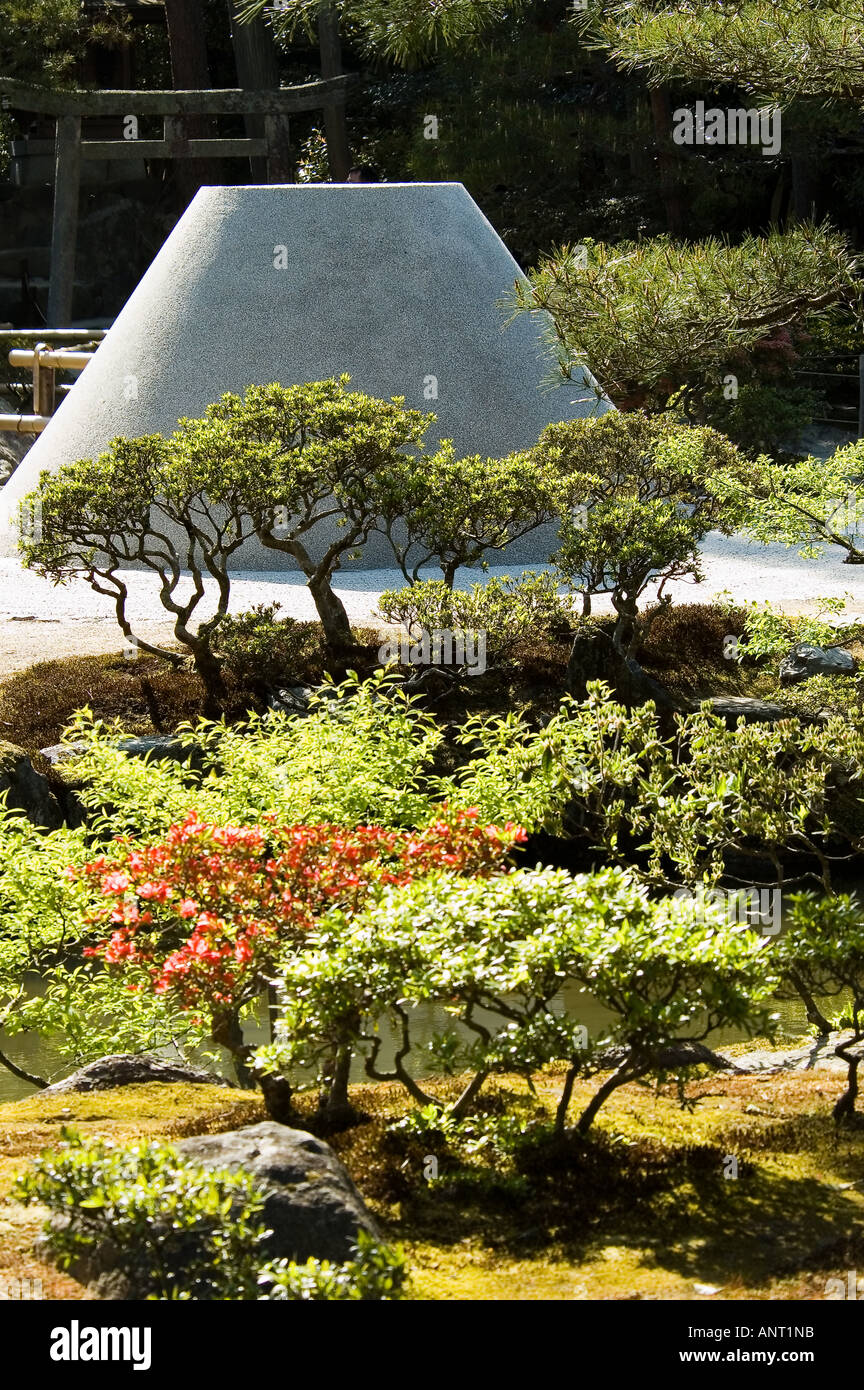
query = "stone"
{"x": 818, "y": 1054}
{"x": 735, "y": 707}
{"x": 311, "y": 1206}
{"x": 159, "y": 747}
{"x": 291, "y": 699}
{"x": 131, "y": 1069}
{"x": 397, "y": 284}
{"x": 28, "y": 790}
{"x": 805, "y": 660}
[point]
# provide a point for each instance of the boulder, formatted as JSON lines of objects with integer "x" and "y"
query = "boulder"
{"x": 291, "y": 699}
{"x": 128, "y": 1069}
{"x": 311, "y": 1205}
{"x": 735, "y": 707}
{"x": 27, "y": 790}
{"x": 805, "y": 660}
{"x": 159, "y": 747}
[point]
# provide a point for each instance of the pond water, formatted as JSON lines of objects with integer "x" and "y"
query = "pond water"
{"x": 41, "y": 1057}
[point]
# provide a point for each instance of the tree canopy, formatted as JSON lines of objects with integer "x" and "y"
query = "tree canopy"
{"x": 771, "y": 48}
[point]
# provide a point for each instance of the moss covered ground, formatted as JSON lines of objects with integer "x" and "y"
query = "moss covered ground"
{"x": 643, "y": 1209}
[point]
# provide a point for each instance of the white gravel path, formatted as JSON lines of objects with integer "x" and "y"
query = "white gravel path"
{"x": 39, "y": 620}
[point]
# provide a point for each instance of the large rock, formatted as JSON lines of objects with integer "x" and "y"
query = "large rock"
{"x": 735, "y": 707}
{"x": 127, "y": 1069}
{"x": 27, "y": 790}
{"x": 311, "y": 1205}
{"x": 806, "y": 660}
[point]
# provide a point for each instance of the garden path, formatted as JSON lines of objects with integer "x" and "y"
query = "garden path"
{"x": 40, "y": 621}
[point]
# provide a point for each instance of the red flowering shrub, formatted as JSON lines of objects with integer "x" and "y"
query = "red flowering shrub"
{"x": 208, "y": 911}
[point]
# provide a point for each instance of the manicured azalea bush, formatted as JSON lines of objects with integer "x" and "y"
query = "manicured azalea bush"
{"x": 454, "y": 511}
{"x": 271, "y": 464}
{"x": 207, "y": 915}
{"x": 260, "y": 650}
{"x": 508, "y": 611}
{"x": 496, "y": 956}
{"x": 182, "y": 1231}
{"x": 641, "y": 492}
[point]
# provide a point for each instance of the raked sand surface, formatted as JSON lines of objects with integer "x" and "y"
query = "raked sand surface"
{"x": 40, "y": 621}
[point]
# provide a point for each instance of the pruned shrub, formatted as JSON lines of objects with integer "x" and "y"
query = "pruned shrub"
{"x": 509, "y": 611}
{"x": 261, "y": 651}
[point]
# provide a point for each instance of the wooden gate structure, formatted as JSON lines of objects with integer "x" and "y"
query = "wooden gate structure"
{"x": 70, "y": 108}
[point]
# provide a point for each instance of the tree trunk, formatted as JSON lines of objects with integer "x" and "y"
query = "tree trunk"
{"x": 626, "y": 1072}
{"x": 278, "y": 1093}
{"x": 276, "y": 1090}
{"x": 564, "y": 1102}
{"x": 448, "y": 570}
{"x": 209, "y": 668}
{"x": 331, "y": 611}
{"x": 335, "y": 124}
{"x": 335, "y": 1111}
{"x": 190, "y": 70}
{"x": 257, "y": 71}
{"x": 845, "y": 1107}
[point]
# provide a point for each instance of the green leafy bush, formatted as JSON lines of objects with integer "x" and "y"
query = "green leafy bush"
{"x": 377, "y": 1272}
{"x": 811, "y": 503}
{"x": 182, "y": 1231}
{"x": 595, "y": 770}
{"x": 178, "y": 1230}
{"x": 260, "y": 651}
{"x": 768, "y": 632}
{"x": 509, "y": 611}
{"x": 496, "y": 954}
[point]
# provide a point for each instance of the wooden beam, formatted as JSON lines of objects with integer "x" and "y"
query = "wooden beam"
{"x": 173, "y": 149}
{"x": 53, "y": 335}
{"x": 227, "y": 101}
{"x": 280, "y": 166}
{"x": 64, "y": 233}
{"x": 44, "y": 381}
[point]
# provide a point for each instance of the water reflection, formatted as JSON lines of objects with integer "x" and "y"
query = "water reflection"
{"x": 42, "y": 1057}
